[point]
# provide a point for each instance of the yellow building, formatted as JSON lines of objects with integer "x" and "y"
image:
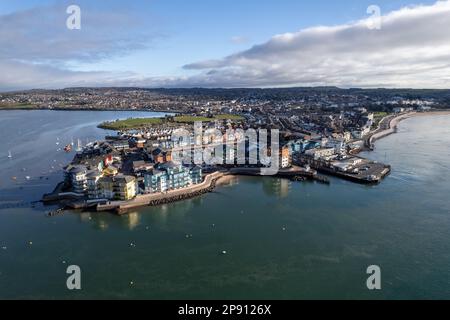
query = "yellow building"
{"x": 118, "y": 188}
{"x": 124, "y": 187}
{"x": 110, "y": 171}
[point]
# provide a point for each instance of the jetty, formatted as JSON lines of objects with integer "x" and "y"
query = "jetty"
{"x": 295, "y": 173}
{"x": 365, "y": 172}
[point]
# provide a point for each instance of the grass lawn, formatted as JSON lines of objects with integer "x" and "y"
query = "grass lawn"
{"x": 136, "y": 123}
{"x": 18, "y": 106}
{"x": 130, "y": 123}
{"x": 378, "y": 116}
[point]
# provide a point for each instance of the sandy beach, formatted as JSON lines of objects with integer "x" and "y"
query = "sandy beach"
{"x": 394, "y": 122}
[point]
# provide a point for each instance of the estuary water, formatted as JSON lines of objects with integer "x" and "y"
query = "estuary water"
{"x": 284, "y": 240}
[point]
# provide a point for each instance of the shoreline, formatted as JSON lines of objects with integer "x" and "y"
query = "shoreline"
{"x": 86, "y": 109}
{"x": 395, "y": 121}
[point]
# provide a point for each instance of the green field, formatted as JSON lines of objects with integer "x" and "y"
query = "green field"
{"x": 129, "y": 124}
{"x": 191, "y": 119}
{"x": 378, "y": 116}
{"x": 137, "y": 123}
{"x": 16, "y": 106}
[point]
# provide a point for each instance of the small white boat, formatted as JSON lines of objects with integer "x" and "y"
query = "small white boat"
{"x": 79, "y": 146}
{"x": 9, "y": 154}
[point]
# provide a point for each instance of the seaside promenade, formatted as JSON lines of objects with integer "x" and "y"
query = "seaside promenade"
{"x": 387, "y": 126}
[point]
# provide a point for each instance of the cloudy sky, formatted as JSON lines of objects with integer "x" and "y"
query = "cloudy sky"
{"x": 225, "y": 43}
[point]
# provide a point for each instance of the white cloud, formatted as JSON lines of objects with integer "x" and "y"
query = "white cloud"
{"x": 20, "y": 75}
{"x": 40, "y": 34}
{"x": 36, "y": 48}
{"x": 412, "y": 49}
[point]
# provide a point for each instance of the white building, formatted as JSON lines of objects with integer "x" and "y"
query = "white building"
{"x": 77, "y": 176}
{"x": 320, "y": 153}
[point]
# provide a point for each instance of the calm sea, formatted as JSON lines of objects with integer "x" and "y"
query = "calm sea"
{"x": 284, "y": 240}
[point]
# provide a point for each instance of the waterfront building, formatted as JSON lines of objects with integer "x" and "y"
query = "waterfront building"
{"x": 92, "y": 184}
{"x": 338, "y": 145}
{"x": 119, "y": 187}
{"x": 178, "y": 175}
{"x": 155, "y": 182}
{"x": 195, "y": 175}
{"x": 169, "y": 176}
{"x": 300, "y": 146}
{"x": 124, "y": 187}
{"x": 285, "y": 157}
{"x": 320, "y": 153}
{"x": 77, "y": 177}
{"x": 106, "y": 188}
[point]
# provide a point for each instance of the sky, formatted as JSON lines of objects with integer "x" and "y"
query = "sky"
{"x": 225, "y": 43}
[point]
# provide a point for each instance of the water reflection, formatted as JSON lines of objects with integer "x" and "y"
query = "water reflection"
{"x": 279, "y": 188}
{"x": 103, "y": 221}
{"x": 164, "y": 217}
{"x": 228, "y": 181}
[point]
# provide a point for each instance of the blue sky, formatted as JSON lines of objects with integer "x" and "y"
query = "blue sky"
{"x": 176, "y": 33}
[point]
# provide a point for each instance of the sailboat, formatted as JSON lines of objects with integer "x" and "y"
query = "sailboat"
{"x": 79, "y": 146}
{"x": 9, "y": 154}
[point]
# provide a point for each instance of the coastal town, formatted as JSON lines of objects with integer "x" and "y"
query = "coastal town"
{"x": 200, "y": 100}
{"x": 138, "y": 164}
